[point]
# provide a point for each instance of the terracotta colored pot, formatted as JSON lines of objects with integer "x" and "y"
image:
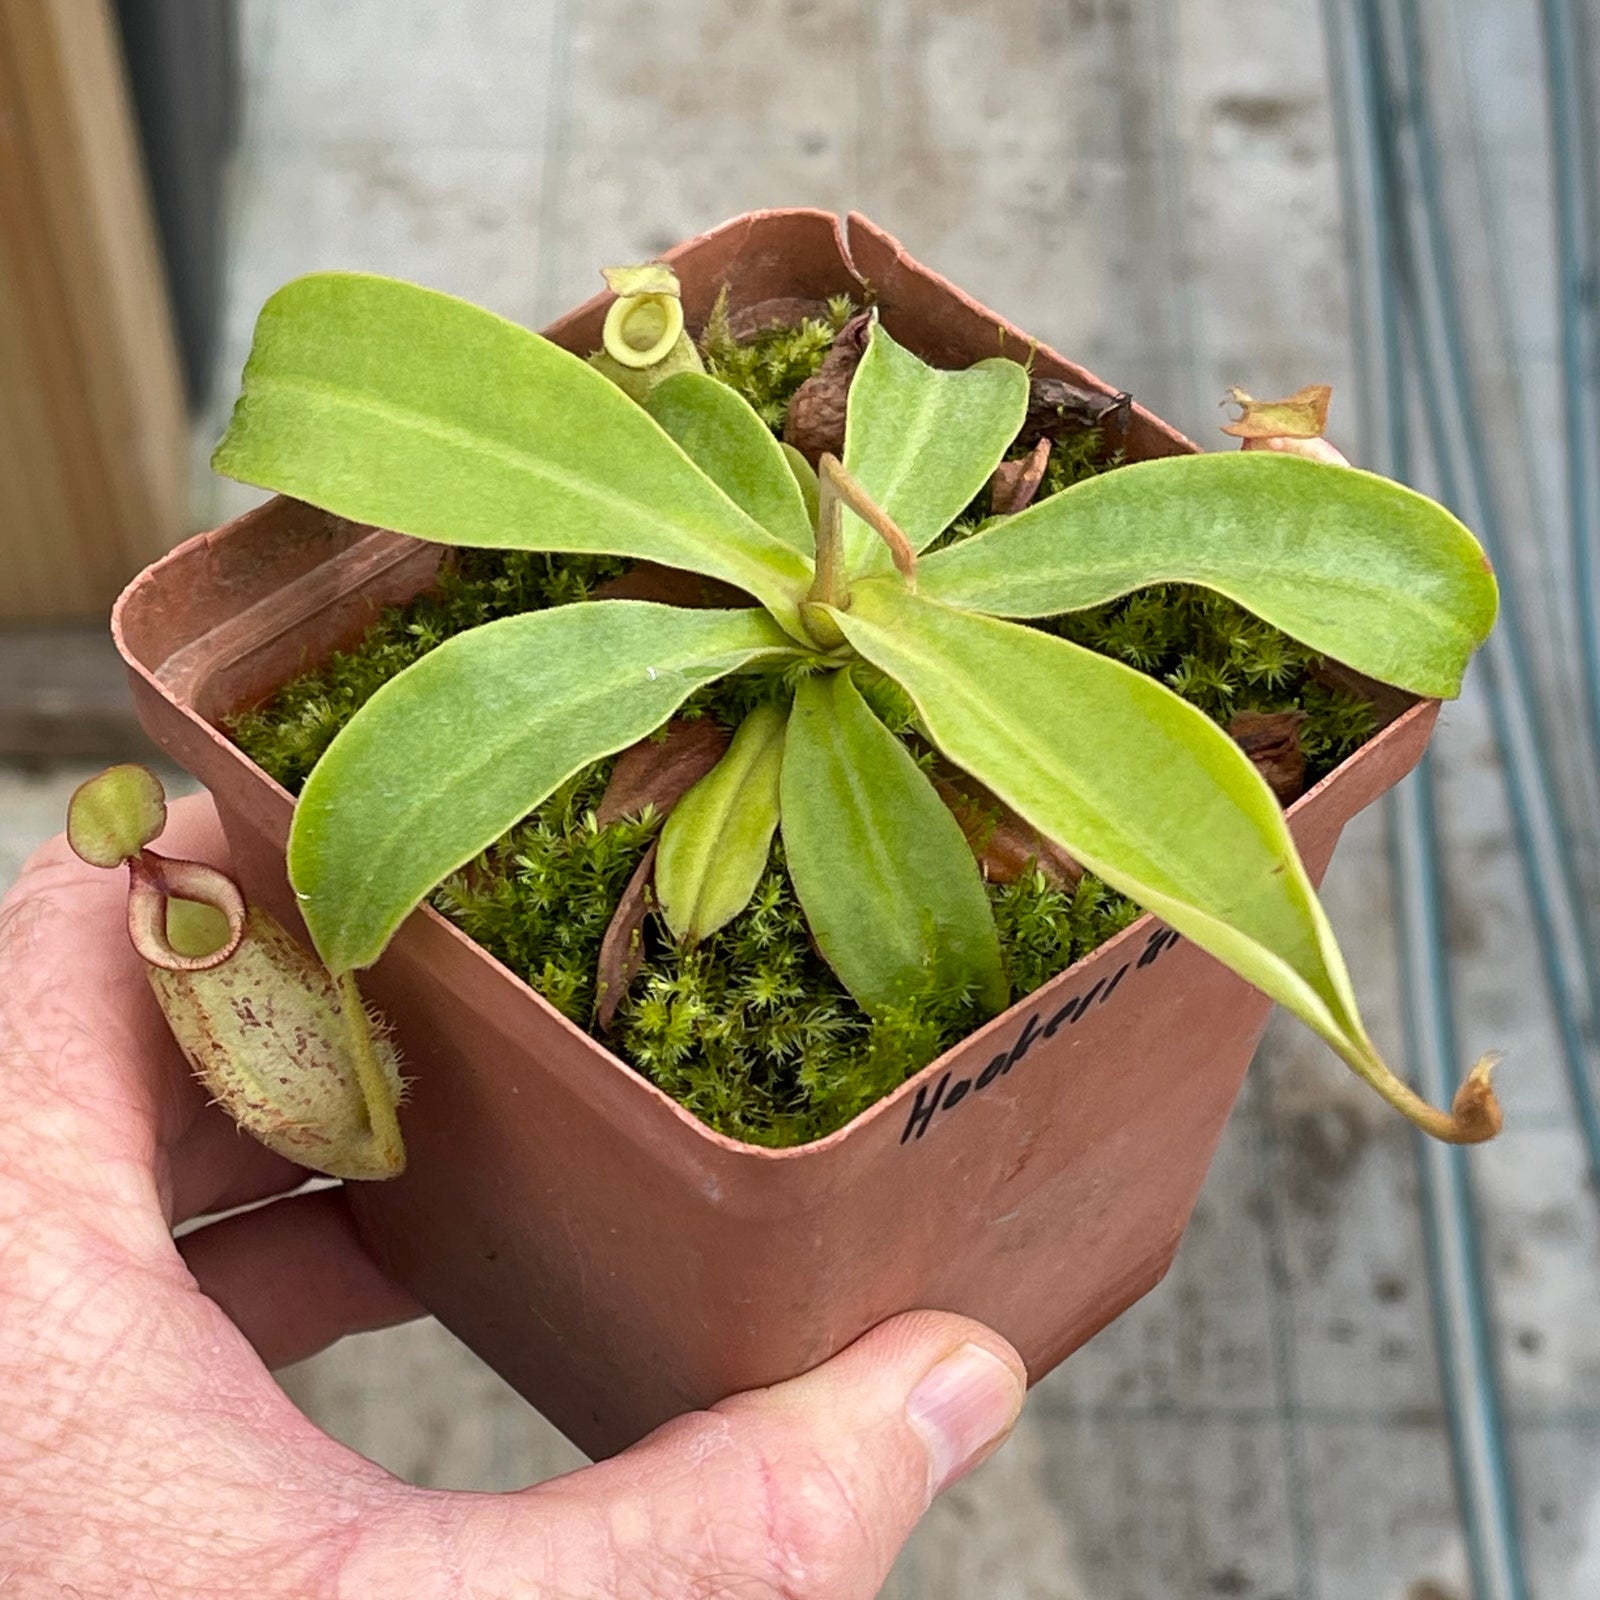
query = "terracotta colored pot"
{"x": 612, "y": 1257}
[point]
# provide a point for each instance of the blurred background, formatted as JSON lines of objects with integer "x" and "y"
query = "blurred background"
{"x": 1374, "y": 1372}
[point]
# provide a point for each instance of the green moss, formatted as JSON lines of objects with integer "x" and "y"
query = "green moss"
{"x": 754, "y": 1034}
{"x": 287, "y": 735}
{"x": 542, "y": 898}
{"x": 751, "y": 1031}
{"x": 1219, "y": 657}
{"x": 1338, "y": 723}
{"x": 1043, "y": 930}
{"x": 768, "y": 369}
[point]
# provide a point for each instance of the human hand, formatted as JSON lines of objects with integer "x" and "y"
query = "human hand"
{"x": 146, "y": 1450}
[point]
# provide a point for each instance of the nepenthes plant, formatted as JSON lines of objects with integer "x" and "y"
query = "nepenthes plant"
{"x": 402, "y": 407}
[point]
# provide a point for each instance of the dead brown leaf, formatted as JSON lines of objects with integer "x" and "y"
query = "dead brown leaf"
{"x": 672, "y": 586}
{"x": 1057, "y": 409}
{"x": 1272, "y": 741}
{"x": 622, "y": 949}
{"x": 660, "y": 772}
{"x": 1015, "y": 483}
{"x": 1005, "y": 845}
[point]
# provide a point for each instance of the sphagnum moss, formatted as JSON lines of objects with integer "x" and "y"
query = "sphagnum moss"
{"x": 751, "y": 1031}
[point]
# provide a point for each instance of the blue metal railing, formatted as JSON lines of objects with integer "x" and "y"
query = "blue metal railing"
{"x": 1411, "y": 336}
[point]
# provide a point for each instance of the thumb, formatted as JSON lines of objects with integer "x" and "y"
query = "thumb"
{"x": 807, "y": 1489}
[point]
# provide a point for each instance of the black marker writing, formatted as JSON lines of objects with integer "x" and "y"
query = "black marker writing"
{"x": 945, "y": 1095}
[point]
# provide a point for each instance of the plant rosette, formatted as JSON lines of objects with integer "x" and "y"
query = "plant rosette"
{"x": 385, "y": 405}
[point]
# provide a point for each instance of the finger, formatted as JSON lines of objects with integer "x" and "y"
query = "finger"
{"x": 214, "y": 1166}
{"x": 78, "y": 1002}
{"x": 804, "y": 1490}
{"x": 294, "y": 1277}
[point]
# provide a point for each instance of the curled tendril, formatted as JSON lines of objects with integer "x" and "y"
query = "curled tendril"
{"x": 837, "y": 487}
{"x": 1474, "y": 1115}
{"x": 1303, "y": 415}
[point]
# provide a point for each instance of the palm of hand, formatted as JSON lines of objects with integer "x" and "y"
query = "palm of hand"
{"x": 144, "y": 1447}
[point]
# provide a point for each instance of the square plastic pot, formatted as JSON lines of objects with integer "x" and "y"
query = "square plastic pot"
{"x": 616, "y": 1260}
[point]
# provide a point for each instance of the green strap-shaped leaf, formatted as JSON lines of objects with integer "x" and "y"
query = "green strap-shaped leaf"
{"x": 717, "y": 430}
{"x": 1362, "y": 569}
{"x": 714, "y": 846}
{"x": 454, "y": 750}
{"x": 404, "y": 407}
{"x": 922, "y": 442}
{"x": 1139, "y": 786}
{"x": 883, "y": 871}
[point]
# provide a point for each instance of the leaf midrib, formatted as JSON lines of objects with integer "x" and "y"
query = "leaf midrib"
{"x": 1351, "y": 585}
{"x": 872, "y": 551}
{"x": 507, "y": 454}
{"x": 1063, "y": 779}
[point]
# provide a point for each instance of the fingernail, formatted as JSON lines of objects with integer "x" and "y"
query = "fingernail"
{"x": 962, "y": 1408}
